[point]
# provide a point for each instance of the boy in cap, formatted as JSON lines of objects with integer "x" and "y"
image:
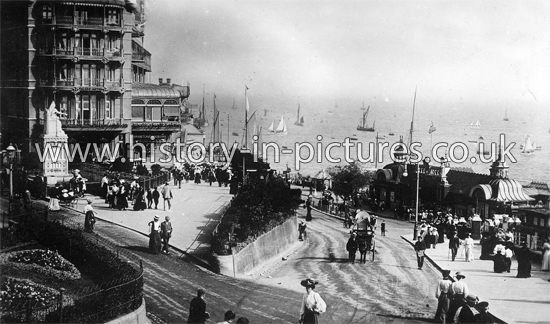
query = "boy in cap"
{"x": 420, "y": 248}
{"x": 197, "y": 309}
{"x": 467, "y": 312}
{"x": 484, "y": 316}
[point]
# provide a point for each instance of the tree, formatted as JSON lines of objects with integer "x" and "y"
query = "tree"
{"x": 348, "y": 180}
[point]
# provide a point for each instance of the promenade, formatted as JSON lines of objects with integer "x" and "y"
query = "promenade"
{"x": 196, "y": 210}
{"x": 511, "y": 299}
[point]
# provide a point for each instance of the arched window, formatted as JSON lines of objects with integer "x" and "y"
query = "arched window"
{"x": 153, "y": 110}
{"x": 171, "y": 110}
{"x": 138, "y": 107}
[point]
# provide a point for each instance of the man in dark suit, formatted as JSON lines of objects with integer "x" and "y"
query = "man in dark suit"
{"x": 420, "y": 248}
{"x": 165, "y": 234}
{"x": 454, "y": 243}
{"x": 352, "y": 246}
{"x": 197, "y": 309}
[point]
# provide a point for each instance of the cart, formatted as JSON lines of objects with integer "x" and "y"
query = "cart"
{"x": 68, "y": 198}
{"x": 364, "y": 229}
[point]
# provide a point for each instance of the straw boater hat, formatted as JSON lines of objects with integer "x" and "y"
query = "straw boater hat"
{"x": 471, "y": 298}
{"x": 156, "y": 217}
{"x": 309, "y": 283}
{"x": 460, "y": 275}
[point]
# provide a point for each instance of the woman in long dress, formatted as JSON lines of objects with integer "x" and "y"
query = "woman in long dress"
{"x": 154, "y": 235}
{"x": 89, "y": 218}
{"x": 523, "y": 255}
{"x": 469, "y": 248}
{"x": 546, "y": 255}
{"x": 312, "y": 303}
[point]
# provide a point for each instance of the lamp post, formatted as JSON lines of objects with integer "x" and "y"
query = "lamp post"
{"x": 11, "y": 156}
{"x": 416, "y": 193}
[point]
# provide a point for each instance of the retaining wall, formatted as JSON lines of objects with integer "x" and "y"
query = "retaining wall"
{"x": 266, "y": 247}
{"x": 138, "y": 316}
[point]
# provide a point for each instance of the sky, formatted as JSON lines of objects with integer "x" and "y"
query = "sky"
{"x": 457, "y": 54}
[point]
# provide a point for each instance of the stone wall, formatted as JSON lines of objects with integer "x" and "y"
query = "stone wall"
{"x": 266, "y": 247}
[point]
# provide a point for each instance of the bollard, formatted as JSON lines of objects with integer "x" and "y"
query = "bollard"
{"x": 61, "y": 290}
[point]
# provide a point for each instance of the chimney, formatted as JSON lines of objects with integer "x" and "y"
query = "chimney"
{"x": 168, "y": 81}
{"x": 160, "y": 80}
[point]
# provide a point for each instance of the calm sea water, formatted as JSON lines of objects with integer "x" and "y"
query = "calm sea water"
{"x": 451, "y": 126}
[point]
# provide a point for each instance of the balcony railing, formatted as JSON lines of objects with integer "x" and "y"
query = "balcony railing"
{"x": 94, "y": 124}
{"x": 98, "y": 84}
{"x": 82, "y": 21}
{"x": 157, "y": 126}
{"x": 99, "y": 53}
{"x": 64, "y": 20}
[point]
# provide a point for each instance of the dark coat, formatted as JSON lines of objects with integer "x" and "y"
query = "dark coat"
{"x": 352, "y": 244}
{"x": 197, "y": 311}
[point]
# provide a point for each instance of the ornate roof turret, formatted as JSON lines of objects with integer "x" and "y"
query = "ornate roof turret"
{"x": 499, "y": 169}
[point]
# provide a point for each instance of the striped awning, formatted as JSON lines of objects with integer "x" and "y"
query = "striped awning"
{"x": 485, "y": 188}
{"x": 508, "y": 190}
{"x": 384, "y": 173}
{"x": 153, "y": 91}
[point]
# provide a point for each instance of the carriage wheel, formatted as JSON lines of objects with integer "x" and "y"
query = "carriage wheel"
{"x": 373, "y": 249}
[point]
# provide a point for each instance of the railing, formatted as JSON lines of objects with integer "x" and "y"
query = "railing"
{"x": 77, "y": 51}
{"x": 87, "y": 304}
{"x": 64, "y": 20}
{"x": 97, "y": 123}
{"x": 166, "y": 125}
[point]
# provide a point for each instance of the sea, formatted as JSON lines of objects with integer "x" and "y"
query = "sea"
{"x": 331, "y": 124}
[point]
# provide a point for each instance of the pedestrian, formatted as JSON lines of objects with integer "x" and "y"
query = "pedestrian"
{"x": 312, "y": 303}
{"x": 443, "y": 295}
{"x": 54, "y": 194}
{"x": 467, "y": 311}
{"x": 242, "y": 320}
{"x": 351, "y": 247}
{"x": 154, "y": 235}
{"x": 228, "y": 317}
{"x": 104, "y": 185}
{"x": 546, "y": 255}
{"x": 309, "y": 202}
{"x": 523, "y": 255}
{"x": 459, "y": 290}
{"x": 454, "y": 243}
{"x": 484, "y": 316}
{"x": 89, "y": 218}
{"x": 383, "y": 228}
{"x": 362, "y": 246}
{"x": 156, "y": 196}
{"x": 149, "y": 197}
{"x": 165, "y": 234}
{"x": 469, "y": 248}
{"x": 420, "y": 248}
{"x": 167, "y": 196}
{"x": 302, "y": 230}
{"x": 197, "y": 309}
{"x": 508, "y": 253}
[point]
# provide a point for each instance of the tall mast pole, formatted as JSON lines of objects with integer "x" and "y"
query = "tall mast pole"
{"x": 412, "y": 120}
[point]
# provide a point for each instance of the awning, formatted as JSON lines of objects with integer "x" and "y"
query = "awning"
{"x": 152, "y": 91}
{"x": 96, "y": 3}
{"x": 508, "y": 190}
{"x": 485, "y": 188}
{"x": 322, "y": 175}
{"x": 385, "y": 174}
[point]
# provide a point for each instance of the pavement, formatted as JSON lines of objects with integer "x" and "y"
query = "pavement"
{"x": 511, "y": 299}
{"x": 195, "y": 213}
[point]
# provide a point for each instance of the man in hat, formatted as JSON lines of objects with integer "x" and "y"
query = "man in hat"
{"x": 420, "y": 248}
{"x": 197, "y": 309}
{"x": 454, "y": 243}
{"x": 312, "y": 303}
{"x": 352, "y": 246}
{"x": 466, "y": 313}
{"x": 459, "y": 290}
{"x": 165, "y": 233}
{"x": 484, "y": 316}
{"x": 167, "y": 196}
{"x": 309, "y": 202}
{"x": 443, "y": 295}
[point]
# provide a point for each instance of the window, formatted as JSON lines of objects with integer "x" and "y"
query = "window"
{"x": 112, "y": 17}
{"x": 109, "y": 107}
{"x": 93, "y": 107}
{"x": 86, "y": 108}
{"x": 47, "y": 13}
{"x": 137, "y": 113}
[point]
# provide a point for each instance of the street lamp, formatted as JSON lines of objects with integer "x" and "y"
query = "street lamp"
{"x": 405, "y": 174}
{"x": 11, "y": 157}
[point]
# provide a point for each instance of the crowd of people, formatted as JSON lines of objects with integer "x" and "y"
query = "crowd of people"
{"x": 205, "y": 172}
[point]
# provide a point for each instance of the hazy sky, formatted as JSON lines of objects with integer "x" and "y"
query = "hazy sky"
{"x": 318, "y": 53}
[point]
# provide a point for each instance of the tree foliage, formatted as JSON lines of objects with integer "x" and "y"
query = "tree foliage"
{"x": 348, "y": 180}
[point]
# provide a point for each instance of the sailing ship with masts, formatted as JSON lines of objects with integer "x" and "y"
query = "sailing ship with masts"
{"x": 281, "y": 128}
{"x": 506, "y": 115}
{"x": 299, "y": 120}
{"x": 363, "y": 125}
{"x": 528, "y": 147}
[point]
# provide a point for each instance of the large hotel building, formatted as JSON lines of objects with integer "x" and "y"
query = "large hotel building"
{"x": 87, "y": 56}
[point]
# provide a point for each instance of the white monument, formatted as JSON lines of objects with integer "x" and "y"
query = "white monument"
{"x": 56, "y": 166}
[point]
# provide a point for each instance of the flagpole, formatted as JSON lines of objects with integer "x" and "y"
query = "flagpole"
{"x": 245, "y": 133}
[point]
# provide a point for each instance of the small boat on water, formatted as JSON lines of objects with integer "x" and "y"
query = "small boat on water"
{"x": 281, "y": 128}
{"x": 391, "y": 133}
{"x": 506, "y": 115}
{"x": 363, "y": 122}
{"x": 299, "y": 121}
{"x": 353, "y": 139}
{"x": 476, "y": 124}
{"x": 235, "y": 134}
{"x": 528, "y": 147}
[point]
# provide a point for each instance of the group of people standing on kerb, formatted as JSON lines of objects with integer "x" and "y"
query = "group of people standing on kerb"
{"x": 455, "y": 303}
{"x": 118, "y": 194}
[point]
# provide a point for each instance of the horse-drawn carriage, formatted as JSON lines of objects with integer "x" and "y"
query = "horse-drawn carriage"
{"x": 364, "y": 227}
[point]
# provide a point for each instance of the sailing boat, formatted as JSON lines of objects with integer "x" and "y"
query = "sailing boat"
{"x": 363, "y": 126}
{"x": 271, "y": 128}
{"x": 233, "y": 107}
{"x": 281, "y": 128}
{"x": 391, "y": 133}
{"x": 299, "y": 122}
{"x": 477, "y": 124}
{"x": 506, "y": 115}
{"x": 527, "y": 148}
